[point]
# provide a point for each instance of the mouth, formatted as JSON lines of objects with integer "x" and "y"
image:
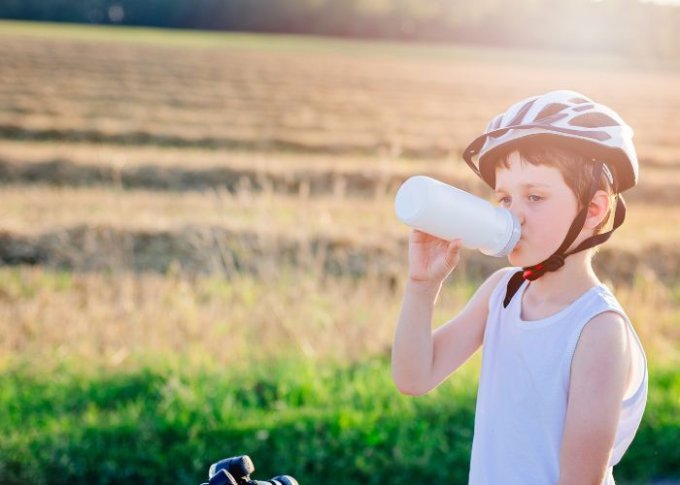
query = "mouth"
{"x": 517, "y": 246}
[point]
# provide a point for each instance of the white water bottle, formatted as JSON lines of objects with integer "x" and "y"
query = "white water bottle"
{"x": 450, "y": 213}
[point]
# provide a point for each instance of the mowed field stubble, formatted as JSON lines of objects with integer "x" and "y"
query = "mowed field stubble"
{"x": 237, "y": 155}
{"x": 226, "y": 200}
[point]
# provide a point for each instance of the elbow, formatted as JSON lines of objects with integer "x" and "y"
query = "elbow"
{"x": 409, "y": 388}
{"x": 411, "y": 391}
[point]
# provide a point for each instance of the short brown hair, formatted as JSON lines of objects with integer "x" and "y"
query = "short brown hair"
{"x": 576, "y": 169}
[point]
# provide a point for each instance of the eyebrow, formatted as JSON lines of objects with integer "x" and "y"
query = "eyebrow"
{"x": 526, "y": 186}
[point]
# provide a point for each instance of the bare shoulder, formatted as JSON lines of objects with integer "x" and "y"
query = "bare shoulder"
{"x": 480, "y": 300}
{"x": 476, "y": 309}
{"x": 605, "y": 330}
{"x": 498, "y": 275}
{"x": 602, "y": 352}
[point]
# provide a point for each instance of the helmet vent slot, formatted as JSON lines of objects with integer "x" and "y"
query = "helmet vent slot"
{"x": 549, "y": 110}
{"x": 584, "y": 107}
{"x": 593, "y": 120}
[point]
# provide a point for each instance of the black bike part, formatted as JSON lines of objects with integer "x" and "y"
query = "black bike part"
{"x": 222, "y": 477}
{"x": 286, "y": 480}
{"x": 240, "y": 467}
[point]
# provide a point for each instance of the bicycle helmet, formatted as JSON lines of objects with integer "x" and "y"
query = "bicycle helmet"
{"x": 573, "y": 121}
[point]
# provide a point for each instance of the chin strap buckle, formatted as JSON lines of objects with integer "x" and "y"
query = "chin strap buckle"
{"x": 553, "y": 263}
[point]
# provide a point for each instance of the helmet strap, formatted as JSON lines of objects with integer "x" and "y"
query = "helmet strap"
{"x": 556, "y": 260}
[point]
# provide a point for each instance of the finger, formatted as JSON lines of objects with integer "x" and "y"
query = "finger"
{"x": 419, "y": 236}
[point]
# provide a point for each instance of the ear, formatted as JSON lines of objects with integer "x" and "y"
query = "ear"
{"x": 597, "y": 209}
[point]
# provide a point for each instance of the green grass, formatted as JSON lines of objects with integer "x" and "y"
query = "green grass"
{"x": 331, "y": 424}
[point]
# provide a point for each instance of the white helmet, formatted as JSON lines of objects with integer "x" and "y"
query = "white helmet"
{"x": 568, "y": 119}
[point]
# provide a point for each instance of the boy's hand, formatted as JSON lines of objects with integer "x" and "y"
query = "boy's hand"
{"x": 431, "y": 259}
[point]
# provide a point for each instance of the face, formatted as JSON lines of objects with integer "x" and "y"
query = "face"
{"x": 543, "y": 203}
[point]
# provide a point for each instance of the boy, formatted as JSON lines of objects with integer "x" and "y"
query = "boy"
{"x": 563, "y": 383}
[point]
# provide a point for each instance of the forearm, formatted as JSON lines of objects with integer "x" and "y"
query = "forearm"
{"x": 586, "y": 462}
{"x": 412, "y": 352}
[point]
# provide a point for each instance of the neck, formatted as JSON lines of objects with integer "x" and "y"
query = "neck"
{"x": 567, "y": 283}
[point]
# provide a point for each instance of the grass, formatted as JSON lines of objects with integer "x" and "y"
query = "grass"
{"x": 112, "y": 321}
{"x": 314, "y": 422}
{"x": 331, "y": 423}
{"x": 117, "y": 319}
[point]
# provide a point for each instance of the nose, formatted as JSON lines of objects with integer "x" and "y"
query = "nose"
{"x": 517, "y": 211}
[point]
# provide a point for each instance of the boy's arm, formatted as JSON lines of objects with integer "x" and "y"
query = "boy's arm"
{"x": 598, "y": 376}
{"x": 421, "y": 359}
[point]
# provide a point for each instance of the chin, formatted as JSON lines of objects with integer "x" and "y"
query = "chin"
{"x": 515, "y": 261}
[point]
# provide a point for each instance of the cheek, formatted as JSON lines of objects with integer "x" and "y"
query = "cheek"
{"x": 550, "y": 223}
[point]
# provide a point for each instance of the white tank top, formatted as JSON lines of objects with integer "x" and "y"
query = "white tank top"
{"x": 523, "y": 388}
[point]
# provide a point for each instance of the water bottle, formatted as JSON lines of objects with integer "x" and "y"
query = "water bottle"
{"x": 450, "y": 213}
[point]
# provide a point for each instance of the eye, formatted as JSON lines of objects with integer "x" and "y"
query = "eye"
{"x": 504, "y": 200}
{"x": 535, "y": 198}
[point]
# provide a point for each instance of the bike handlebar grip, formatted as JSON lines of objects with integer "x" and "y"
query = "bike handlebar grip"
{"x": 240, "y": 466}
{"x": 222, "y": 477}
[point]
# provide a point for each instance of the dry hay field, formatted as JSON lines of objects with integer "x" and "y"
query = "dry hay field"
{"x": 162, "y": 190}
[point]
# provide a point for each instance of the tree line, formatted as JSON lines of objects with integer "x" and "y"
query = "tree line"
{"x": 627, "y": 27}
